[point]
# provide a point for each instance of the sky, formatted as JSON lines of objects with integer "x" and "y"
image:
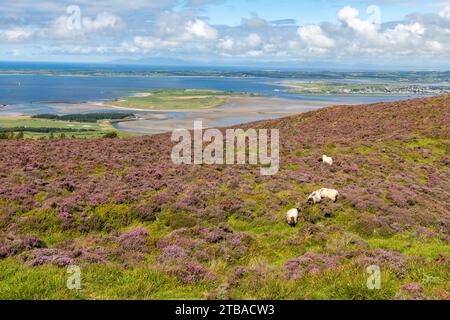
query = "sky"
{"x": 410, "y": 33}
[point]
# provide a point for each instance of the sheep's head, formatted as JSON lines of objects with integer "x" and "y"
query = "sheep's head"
{"x": 293, "y": 222}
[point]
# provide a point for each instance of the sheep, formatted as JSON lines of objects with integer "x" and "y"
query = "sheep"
{"x": 317, "y": 196}
{"x": 292, "y": 217}
{"x": 327, "y": 160}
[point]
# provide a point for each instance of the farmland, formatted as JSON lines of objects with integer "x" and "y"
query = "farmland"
{"x": 36, "y": 128}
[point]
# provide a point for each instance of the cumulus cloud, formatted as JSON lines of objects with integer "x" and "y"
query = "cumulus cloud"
{"x": 248, "y": 45}
{"x": 73, "y": 27}
{"x": 171, "y": 26}
{"x": 315, "y": 38}
{"x": 16, "y": 34}
{"x": 419, "y": 35}
{"x": 103, "y": 21}
{"x": 175, "y": 30}
{"x": 445, "y": 13}
{"x": 200, "y": 29}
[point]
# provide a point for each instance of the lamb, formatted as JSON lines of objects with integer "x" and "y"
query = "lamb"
{"x": 317, "y": 196}
{"x": 327, "y": 160}
{"x": 292, "y": 217}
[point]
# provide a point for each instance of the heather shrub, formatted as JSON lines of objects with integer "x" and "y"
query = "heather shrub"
{"x": 7, "y": 249}
{"x": 47, "y": 256}
{"x": 179, "y": 220}
{"x": 176, "y": 261}
{"x": 393, "y": 260}
{"x": 309, "y": 263}
{"x": 30, "y": 242}
{"x": 145, "y": 212}
{"x": 411, "y": 291}
{"x": 108, "y": 217}
{"x": 226, "y": 224}
{"x": 134, "y": 240}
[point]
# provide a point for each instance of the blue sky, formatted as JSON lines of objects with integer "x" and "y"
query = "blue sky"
{"x": 309, "y": 11}
{"x": 288, "y": 32}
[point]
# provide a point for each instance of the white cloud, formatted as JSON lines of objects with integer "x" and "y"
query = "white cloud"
{"x": 103, "y": 21}
{"x": 200, "y": 29}
{"x": 445, "y": 13}
{"x": 175, "y": 30}
{"x": 249, "y": 45}
{"x": 350, "y": 17}
{"x": 434, "y": 46}
{"x": 151, "y": 43}
{"x": 16, "y": 34}
{"x": 226, "y": 44}
{"x": 161, "y": 29}
{"x": 68, "y": 27}
{"x": 314, "y": 37}
{"x": 254, "y": 40}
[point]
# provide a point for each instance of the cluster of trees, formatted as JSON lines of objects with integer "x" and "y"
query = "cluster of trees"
{"x": 88, "y": 117}
{"x": 20, "y": 136}
{"x": 11, "y": 136}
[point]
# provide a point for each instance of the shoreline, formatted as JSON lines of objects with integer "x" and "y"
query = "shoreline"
{"x": 236, "y": 110}
{"x": 240, "y": 100}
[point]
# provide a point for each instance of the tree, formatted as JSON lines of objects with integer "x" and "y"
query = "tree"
{"x": 110, "y": 135}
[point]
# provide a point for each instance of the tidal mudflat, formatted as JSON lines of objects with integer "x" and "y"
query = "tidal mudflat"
{"x": 236, "y": 110}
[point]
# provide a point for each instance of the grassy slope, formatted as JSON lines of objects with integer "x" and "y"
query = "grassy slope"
{"x": 175, "y": 100}
{"x": 82, "y": 197}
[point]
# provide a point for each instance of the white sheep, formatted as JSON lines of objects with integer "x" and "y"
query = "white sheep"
{"x": 317, "y": 196}
{"x": 292, "y": 217}
{"x": 327, "y": 160}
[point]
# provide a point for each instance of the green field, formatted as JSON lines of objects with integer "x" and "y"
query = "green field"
{"x": 334, "y": 88}
{"x": 174, "y": 99}
{"x": 69, "y": 129}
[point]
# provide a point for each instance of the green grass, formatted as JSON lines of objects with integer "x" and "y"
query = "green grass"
{"x": 175, "y": 99}
{"x": 96, "y": 130}
{"x": 97, "y": 282}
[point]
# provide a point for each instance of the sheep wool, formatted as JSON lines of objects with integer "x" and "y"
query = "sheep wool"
{"x": 292, "y": 217}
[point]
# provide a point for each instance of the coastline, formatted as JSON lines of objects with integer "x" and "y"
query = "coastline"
{"x": 233, "y": 101}
{"x": 237, "y": 110}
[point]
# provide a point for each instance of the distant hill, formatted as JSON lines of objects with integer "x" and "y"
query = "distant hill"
{"x": 142, "y": 227}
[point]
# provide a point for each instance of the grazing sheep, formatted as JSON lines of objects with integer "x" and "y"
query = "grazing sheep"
{"x": 317, "y": 196}
{"x": 292, "y": 217}
{"x": 327, "y": 160}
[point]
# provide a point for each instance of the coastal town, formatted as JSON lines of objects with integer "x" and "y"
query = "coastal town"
{"x": 329, "y": 88}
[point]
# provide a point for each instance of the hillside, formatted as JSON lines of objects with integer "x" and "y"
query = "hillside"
{"x": 142, "y": 227}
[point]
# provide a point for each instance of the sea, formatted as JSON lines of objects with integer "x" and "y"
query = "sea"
{"x": 26, "y": 90}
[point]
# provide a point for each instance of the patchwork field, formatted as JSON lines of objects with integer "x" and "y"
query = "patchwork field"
{"x": 139, "y": 226}
{"x": 34, "y": 128}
